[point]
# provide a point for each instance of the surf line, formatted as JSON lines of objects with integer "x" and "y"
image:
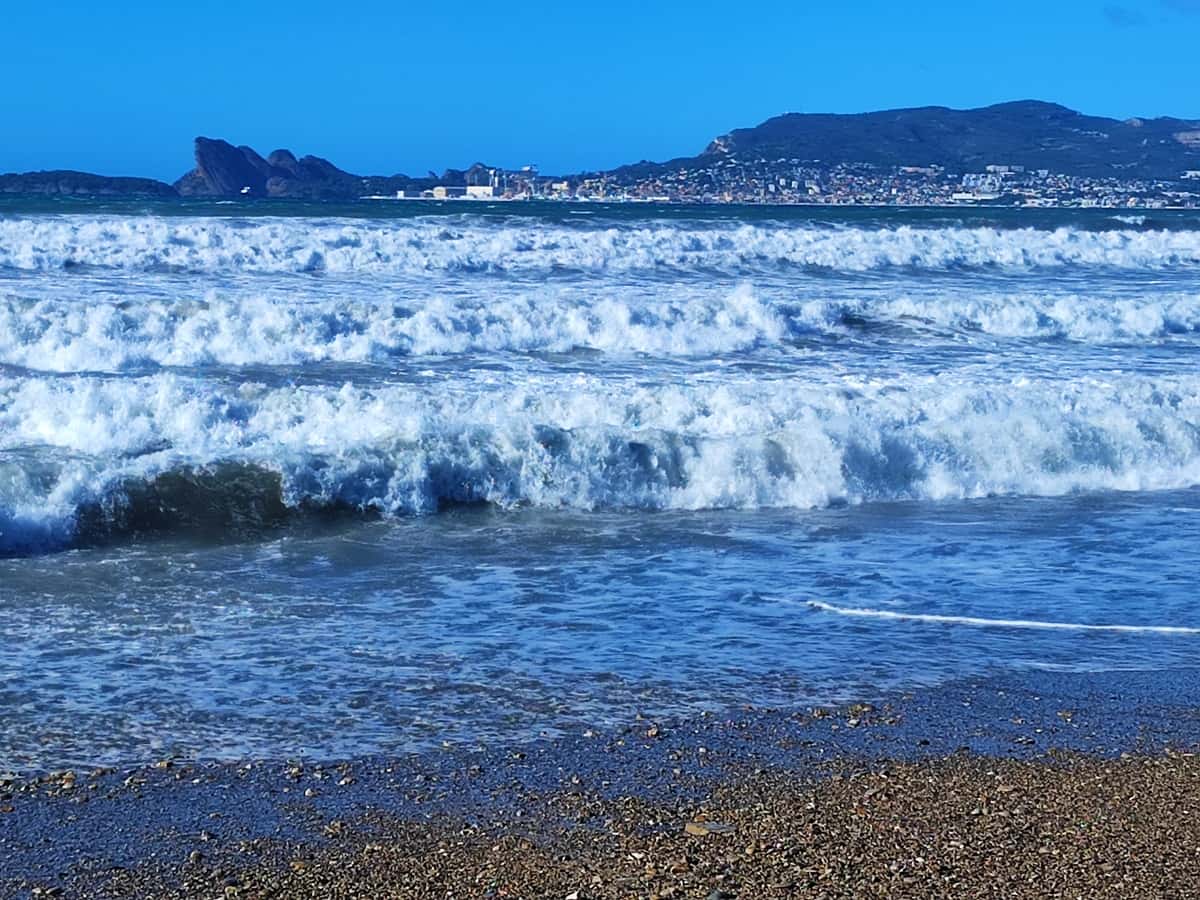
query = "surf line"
{"x": 932, "y": 619}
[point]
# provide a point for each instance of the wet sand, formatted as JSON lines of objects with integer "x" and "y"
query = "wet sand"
{"x": 1047, "y": 785}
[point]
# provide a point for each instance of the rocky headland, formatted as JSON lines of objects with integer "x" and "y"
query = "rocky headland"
{"x": 223, "y": 170}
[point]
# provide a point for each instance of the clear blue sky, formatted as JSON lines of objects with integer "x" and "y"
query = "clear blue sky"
{"x": 384, "y": 87}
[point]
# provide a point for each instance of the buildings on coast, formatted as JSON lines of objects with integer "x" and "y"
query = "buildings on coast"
{"x": 792, "y": 181}
{"x": 729, "y": 179}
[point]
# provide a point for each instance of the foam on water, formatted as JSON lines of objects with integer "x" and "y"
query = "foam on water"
{"x": 595, "y": 442}
{"x": 977, "y": 622}
{"x": 89, "y": 449}
{"x": 269, "y": 326}
{"x": 1150, "y": 315}
{"x": 108, "y": 333}
{"x": 365, "y": 246}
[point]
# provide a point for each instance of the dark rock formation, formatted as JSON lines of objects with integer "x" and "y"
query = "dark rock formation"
{"x": 223, "y": 170}
{"x": 65, "y": 183}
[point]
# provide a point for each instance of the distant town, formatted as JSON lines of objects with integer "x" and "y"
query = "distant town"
{"x": 794, "y": 181}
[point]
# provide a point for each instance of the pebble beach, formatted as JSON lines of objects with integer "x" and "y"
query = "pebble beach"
{"x": 1049, "y": 786}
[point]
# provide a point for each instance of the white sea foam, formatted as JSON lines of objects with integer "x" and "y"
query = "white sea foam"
{"x": 52, "y": 330}
{"x": 109, "y": 333}
{"x": 68, "y": 444}
{"x": 977, "y": 622}
{"x": 411, "y": 246}
{"x": 1096, "y": 318}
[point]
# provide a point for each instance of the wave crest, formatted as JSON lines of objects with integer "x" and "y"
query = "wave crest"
{"x": 109, "y": 334}
{"x": 416, "y": 246}
{"x": 64, "y": 335}
{"x": 71, "y": 445}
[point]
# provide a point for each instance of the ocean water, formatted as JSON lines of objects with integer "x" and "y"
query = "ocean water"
{"x": 280, "y": 479}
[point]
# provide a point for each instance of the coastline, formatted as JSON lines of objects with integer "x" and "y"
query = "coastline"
{"x": 1032, "y": 785}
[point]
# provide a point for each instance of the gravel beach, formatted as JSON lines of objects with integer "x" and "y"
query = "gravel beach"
{"x": 1048, "y": 786}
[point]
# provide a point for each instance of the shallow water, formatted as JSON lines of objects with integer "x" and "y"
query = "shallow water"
{"x": 374, "y": 477}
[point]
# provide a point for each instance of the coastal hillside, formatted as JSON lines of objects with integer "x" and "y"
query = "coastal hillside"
{"x": 64, "y": 183}
{"x": 1026, "y": 133}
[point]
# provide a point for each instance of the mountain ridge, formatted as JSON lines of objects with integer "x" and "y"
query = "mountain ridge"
{"x": 1030, "y": 133}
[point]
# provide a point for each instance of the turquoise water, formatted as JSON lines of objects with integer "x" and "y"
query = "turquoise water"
{"x": 281, "y": 479}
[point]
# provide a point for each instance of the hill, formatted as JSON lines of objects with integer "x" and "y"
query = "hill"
{"x": 1028, "y": 133}
{"x": 66, "y": 183}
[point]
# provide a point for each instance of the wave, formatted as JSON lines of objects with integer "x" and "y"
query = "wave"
{"x": 75, "y": 452}
{"x": 1084, "y": 319}
{"x": 110, "y": 333}
{"x": 415, "y": 246}
{"x": 65, "y": 335}
{"x": 975, "y": 622}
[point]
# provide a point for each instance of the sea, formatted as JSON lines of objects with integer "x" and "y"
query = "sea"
{"x": 290, "y": 480}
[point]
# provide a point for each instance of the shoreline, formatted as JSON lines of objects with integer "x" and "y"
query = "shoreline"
{"x": 585, "y": 805}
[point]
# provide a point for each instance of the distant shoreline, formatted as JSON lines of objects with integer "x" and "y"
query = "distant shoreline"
{"x": 1026, "y": 152}
{"x": 464, "y": 204}
{"x": 468, "y": 201}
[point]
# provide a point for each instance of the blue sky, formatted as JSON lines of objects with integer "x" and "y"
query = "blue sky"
{"x": 384, "y": 87}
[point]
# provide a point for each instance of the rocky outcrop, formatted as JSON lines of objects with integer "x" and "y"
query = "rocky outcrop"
{"x": 223, "y": 170}
{"x": 65, "y": 183}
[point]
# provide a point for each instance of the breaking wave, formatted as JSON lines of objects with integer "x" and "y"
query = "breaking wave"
{"x": 414, "y": 246}
{"x": 66, "y": 335}
{"x": 82, "y": 456}
{"x": 108, "y": 333}
{"x": 1074, "y": 317}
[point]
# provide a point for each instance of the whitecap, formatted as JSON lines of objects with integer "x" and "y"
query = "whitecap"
{"x": 978, "y": 622}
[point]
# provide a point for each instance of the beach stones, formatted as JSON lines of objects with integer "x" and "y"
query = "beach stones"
{"x": 704, "y": 829}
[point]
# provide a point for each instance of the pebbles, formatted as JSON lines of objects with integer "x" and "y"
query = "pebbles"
{"x": 703, "y": 829}
{"x": 1065, "y": 826}
{"x": 704, "y": 808}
